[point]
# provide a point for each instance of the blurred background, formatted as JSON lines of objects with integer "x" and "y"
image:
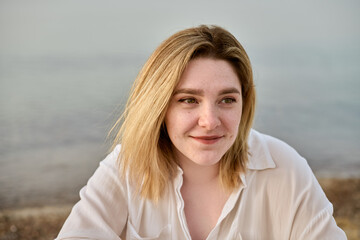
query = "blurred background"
{"x": 66, "y": 68}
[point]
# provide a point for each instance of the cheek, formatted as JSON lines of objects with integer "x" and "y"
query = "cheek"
{"x": 174, "y": 124}
{"x": 232, "y": 121}
{"x": 177, "y": 121}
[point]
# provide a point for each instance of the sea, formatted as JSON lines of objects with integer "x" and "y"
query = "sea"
{"x": 56, "y": 112}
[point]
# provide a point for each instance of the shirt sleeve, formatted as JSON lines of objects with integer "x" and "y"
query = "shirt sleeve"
{"x": 102, "y": 211}
{"x": 303, "y": 204}
{"x": 313, "y": 218}
{"x": 323, "y": 226}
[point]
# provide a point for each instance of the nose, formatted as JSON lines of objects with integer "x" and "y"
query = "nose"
{"x": 209, "y": 117}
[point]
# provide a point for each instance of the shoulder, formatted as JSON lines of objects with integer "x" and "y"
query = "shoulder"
{"x": 281, "y": 183}
{"x": 112, "y": 157}
{"x": 290, "y": 176}
{"x": 108, "y": 172}
{"x": 103, "y": 207}
{"x": 277, "y": 154}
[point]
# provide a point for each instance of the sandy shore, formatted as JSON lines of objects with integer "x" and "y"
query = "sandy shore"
{"x": 345, "y": 196}
{"x": 45, "y": 222}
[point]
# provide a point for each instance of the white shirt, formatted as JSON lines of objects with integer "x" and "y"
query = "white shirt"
{"x": 280, "y": 199}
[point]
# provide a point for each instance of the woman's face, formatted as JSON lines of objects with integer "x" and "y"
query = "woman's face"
{"x": 205, "y": 111}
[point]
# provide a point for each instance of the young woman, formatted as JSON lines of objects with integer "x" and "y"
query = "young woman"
{"x": 186, "y": 163}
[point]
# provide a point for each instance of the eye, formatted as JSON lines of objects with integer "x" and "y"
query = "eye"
{"x": 188, "y": 100}
{"x": 228, "y": 100}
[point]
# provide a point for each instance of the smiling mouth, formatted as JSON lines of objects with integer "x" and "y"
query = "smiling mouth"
{"x": 207, "y": 139}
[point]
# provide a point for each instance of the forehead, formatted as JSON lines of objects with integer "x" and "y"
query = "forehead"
{"x": 209, "y": 73}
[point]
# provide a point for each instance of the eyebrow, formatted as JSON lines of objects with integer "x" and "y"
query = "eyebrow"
{"x": 200, "y": 92}
{"x": 229, "y": 90}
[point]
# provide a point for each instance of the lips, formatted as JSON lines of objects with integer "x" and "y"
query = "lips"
{"x": 207, "y": 139}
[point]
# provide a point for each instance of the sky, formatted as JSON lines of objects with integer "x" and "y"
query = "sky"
{"x": 89, "y": 28}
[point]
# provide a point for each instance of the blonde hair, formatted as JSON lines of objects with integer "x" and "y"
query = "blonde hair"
{"x": 146, "y": 155}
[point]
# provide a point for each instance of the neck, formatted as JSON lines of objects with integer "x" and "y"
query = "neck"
{"x": 197, "y": 174}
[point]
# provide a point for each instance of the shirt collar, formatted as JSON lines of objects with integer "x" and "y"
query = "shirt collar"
{"x": 259, "y": 153}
